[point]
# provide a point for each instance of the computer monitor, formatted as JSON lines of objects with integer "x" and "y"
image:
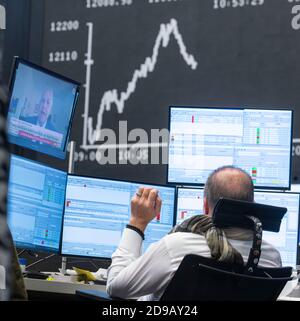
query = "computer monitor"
{"x": 203, "y": 139}
{"x": 286, "y": 240}
{"x": 41, "y": 108}
{"x": 36, "y": 195}
{"x": 190, "y": 203}
{"x": 97, "y": 211}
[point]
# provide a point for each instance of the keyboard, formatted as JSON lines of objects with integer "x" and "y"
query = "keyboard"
{"x": 35, "y": 275}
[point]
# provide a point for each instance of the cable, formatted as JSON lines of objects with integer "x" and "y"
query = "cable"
{"x": 40, "y": 261}
{"x": 29, "y": 252}
{"x": 20, "y": 253}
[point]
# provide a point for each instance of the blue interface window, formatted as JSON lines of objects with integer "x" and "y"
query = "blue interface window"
{"x": 203, "y": 139}
{"x": 41, "y": 109}
{"x": 97, "y": 211}
{"x": 36, "y": 195}
{"x": 190, "y": 203}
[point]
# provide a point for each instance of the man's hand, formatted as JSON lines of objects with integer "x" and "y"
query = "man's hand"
{"x": 145, "y": 206}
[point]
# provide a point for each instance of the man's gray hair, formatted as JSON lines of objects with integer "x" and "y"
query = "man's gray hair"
{"x": 228, "y": 182}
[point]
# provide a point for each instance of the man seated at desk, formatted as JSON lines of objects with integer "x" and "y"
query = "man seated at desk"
{"x": 145, "y": 277}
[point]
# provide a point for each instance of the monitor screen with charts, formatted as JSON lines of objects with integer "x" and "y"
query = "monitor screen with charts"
{"x": 41, "y": 109}
{"x": 203, "y": 139}
{"x": 286, "y": 240}
{"x": 97, "y": 211}
{"x": 190, "y": 203}
{"x": 36, "y": 195}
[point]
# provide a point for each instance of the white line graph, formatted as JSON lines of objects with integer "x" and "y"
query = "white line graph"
{"x": 88, "y": 62}
{"x": 113, "y": 97}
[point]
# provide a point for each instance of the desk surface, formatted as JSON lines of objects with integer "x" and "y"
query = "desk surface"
{"x": 59, "y": 286}
{"x": 293, "y": 295}
{"x": 291, "y": 292}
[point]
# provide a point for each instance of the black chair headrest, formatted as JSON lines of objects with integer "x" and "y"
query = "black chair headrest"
{"x": 233, "y": 213}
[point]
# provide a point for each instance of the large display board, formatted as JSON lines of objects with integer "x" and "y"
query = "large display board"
{"x": 137, "y": 57}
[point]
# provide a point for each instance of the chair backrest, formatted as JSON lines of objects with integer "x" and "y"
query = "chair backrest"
{"x": 204, "y": 279}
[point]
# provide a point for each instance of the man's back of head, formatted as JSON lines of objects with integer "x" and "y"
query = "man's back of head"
{"x": 228, "y": 182}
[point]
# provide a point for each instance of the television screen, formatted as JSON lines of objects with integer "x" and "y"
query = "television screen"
{"x": 40, "y": 109}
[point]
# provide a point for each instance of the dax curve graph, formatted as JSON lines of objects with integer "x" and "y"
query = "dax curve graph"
{"x": 114, "y": 97}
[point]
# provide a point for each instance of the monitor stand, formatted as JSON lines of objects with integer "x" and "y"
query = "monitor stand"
{"x": 71, "y": 148}
{"x": 63, "y": 269}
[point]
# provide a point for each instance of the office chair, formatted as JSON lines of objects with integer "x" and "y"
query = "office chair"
{"x": 205, "y": 279}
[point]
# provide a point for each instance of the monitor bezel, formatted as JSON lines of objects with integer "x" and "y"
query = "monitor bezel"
{"x": 53, "y": 152}
{"x": 111, "y": 180}
{"x": 233, "y": 108}
{"x": 39, "y": 248}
